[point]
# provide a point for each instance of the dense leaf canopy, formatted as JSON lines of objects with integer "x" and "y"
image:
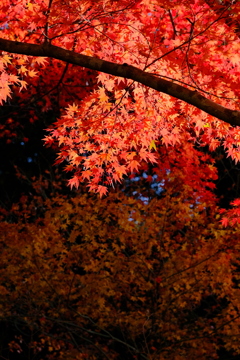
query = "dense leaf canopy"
{"x": 138, "y": 102}
{"x": 137, "y": 51}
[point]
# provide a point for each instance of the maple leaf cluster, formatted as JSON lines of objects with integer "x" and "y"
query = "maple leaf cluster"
{"x": 111, "y": 125}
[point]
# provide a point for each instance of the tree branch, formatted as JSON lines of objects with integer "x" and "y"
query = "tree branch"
{"x": 194, "y": 98}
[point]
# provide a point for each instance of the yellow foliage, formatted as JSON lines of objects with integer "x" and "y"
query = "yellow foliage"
{"x": 116, "y": 274}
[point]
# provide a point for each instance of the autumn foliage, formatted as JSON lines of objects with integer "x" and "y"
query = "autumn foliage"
{"x": 137, "y": 98}
{"x": 109, "y": 125}
{"x": 116, "y": 277}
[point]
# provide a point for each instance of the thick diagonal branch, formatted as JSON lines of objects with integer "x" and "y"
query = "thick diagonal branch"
{"x": 194, "y": 98}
